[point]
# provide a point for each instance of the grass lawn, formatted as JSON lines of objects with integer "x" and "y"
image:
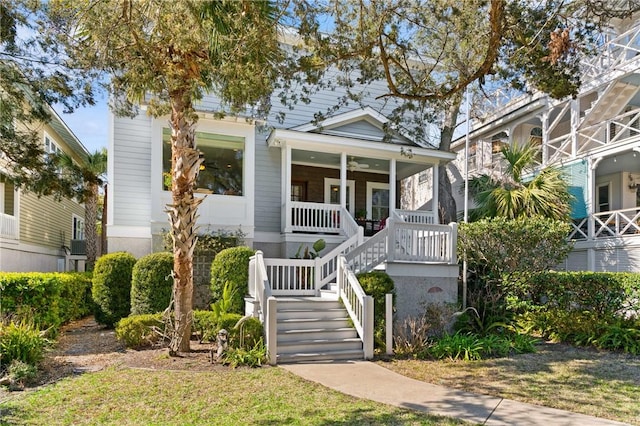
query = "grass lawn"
{"x": 587, "y": 381}
{"x": 265, "y": 396}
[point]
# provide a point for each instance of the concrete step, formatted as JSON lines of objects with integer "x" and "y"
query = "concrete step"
{"x": 312, "y": 323}
{"x": 317, "y": 334}
{"x": 320, "y": 356}
{"x": 285, "y": 303}
{"x": 320, "y": 345}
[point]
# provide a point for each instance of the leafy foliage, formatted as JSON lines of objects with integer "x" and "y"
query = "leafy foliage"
{"x": 500, "y": 253}
{"x": 253, "y": 357}
{"x": 546, "y": 194}
{"x": 151, "y": 283}
{"x": 471, "y": 347}
{"x": 231, "y": 265}
{"x": 22, "y": 342}
{"x": 111, "y": 289}
{"x": 138, "y": 331}
{"x": 47, "y": 300}
{"x": 377, "y": 284}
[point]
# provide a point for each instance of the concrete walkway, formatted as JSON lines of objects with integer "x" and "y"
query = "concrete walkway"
{"x": 370, "y": 381}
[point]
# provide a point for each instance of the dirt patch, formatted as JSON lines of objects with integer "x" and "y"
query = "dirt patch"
{"x": 86, "y": 346}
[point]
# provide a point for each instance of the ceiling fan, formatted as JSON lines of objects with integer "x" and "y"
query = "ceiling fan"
{"x": 354, "y": 165}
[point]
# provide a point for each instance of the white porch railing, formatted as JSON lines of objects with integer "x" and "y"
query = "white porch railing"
{"x": 358, "y": 304}
{"x": 612, "y": 54}
{"x": 416, "y": 216}
{"x": 8, "y": 226}
{"x": 616, "y": 223}
{"x": 614, "y": 130}
{"x": 370, "y": 254}
{"x": 260, "y": 290}
{"x": 423, "y": 243}
{"x": 313, "y": 217}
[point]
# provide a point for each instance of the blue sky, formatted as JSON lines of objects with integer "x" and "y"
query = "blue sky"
{"x": 90, "y": 124}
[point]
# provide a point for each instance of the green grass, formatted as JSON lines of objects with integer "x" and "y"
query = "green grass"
{"x": 582, "y": 380}
{"x": 220, "y": 397}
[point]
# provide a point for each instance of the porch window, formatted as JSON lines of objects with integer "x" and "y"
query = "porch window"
{"x": 604, "y": 204}
{"x": 378, "y": 200}
{"x": 222, "y": 171}
{"x": 332, "y": 193}
{"x": 535, "y": 138}
{"x": 7, "y": 197}
{"x": 472, "y": 156}
{"x": 498, "y": 142}
{"x": 299, "y": 191}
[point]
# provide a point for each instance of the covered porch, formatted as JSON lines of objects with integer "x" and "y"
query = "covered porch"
{"x": 325, "y": 177}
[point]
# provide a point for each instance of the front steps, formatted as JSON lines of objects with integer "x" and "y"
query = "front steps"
{"x": 315, "y": 329}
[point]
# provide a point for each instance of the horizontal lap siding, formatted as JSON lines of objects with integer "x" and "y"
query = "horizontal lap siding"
{"x": 267, "y": 186}
{"x": 46, "y": 222}
{"x": 132, "y": 178}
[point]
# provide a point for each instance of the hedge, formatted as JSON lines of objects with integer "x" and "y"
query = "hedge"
{"x": 151, "y": 283}
{"x": 47, "y": 300}
{"x": 111, "y": 290}
{"x": 231, "y": 265}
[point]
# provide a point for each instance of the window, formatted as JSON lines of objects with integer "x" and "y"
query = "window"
{"x": 498, "y": 142}
{"x": 50, "y": 147}
{"x": 535, "y": 138}
{"x": 332, "y": 193}
{"x": 423, "y": 176}
{"x": 378, "y": 200}
{"x": 78, "y": 228}
{"x": 472, "y": 156}
{"x": 222, "y": 171}
{"x": 298, "y": 191}
{"x": 604, "y": 198}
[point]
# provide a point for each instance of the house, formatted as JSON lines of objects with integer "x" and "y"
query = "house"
{"x": 42, "y": 233}
{"x": 594, "y": 139}
{"x": 286, "y": 186}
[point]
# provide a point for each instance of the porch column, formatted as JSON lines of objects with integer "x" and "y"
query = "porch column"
{"x": 575, "y": 122}
{"x": 436, "y": 188}
{"x": 343, "y": 180}
{"x": 544, "y": 118}
{"x": 392, "y": 187}
{"x": 286, "y": 188}
{"x": 591, "y": 209}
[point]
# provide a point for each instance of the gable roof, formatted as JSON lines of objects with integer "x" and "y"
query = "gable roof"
{"x": 363, "y": 123}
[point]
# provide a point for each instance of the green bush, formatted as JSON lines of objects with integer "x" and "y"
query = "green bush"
{"x": 470, "y": 347}
{"x": 231, "y": 265}
{"x": 45, "y": 299}
{"x": 151, "y": 283}
{"x": 204, "y": 324}
{"x": 21, "y": 342}
{"x": 137, "y": 331}
{"x": 111, "y": 289}
{"x": 377, "y": 284}
{"x": 252, "y": 357}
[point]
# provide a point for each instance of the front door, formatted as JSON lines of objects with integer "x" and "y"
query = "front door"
{"x": 332, "y": 193}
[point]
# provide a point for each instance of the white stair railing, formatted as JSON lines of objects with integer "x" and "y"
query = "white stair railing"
{"x": 358, "y": 305}
{"x": 260, "y": 291}
{"x": 370, "y": 254}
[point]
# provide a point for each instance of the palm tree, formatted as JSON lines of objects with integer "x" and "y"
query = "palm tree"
{"x": 510, "y": 195}
{"x": 90, "y": 176}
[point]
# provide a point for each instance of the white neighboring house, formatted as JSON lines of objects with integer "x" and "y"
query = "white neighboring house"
{"x": 286, "y": 187}
{"x": 594, "y": 139}
{"x": 41, "y": 234}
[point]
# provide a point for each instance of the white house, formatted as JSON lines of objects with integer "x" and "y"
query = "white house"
{"x": 285, "y": 185}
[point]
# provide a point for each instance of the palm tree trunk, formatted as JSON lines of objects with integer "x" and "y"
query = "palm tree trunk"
{"x": 90, "y": 217}
{"x": 185, "y": 164}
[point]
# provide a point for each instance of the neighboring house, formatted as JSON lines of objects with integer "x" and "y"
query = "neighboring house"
{"x": 42, "y": 233}
{"x": 288, "y": 186}
{"x": 594, "y": 139}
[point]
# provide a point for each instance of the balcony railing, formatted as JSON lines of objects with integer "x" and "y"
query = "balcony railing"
{"x": 313, "y": 217}
{"x": 610, "y": 224}
{"x": 9, "y": 226}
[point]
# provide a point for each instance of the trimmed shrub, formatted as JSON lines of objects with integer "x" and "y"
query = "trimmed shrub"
{"x": 111, "y": 289}
{"x": 231, "y": 265}
{"x": 377, "y": 284}
{"x": 151, "y": 283}
{"x": 21, "y": 342}
{"x": 46, "y": 300}
{"x": 204, "y": 324}
{"x": 137, "y": 331}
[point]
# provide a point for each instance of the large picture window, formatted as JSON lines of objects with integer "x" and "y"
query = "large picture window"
{"x": 221, "y": 172}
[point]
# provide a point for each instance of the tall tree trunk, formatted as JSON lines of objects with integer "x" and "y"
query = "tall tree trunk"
{"x": 103, "y": 223}
{"x": 90, "y": 218}
{"x": 447, "y": 208}
{"x": 185, "y": 164}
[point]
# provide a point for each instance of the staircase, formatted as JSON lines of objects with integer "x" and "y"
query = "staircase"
{"x": 609, "y": 103}
{"x": 315, "y": 329}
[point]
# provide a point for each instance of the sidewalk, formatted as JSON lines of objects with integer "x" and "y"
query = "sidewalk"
{"x": 370, "y": 381}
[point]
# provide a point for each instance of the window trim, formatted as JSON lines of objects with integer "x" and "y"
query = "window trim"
{"x": 78, "y": 219}
{"x": 609, "y": 196}
{"x": 370, "y": 187}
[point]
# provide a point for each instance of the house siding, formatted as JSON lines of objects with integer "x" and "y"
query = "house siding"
{"x": 131, "y": 180}
{"x": 268, "y": 185}
{"x": 46, "y": 222}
